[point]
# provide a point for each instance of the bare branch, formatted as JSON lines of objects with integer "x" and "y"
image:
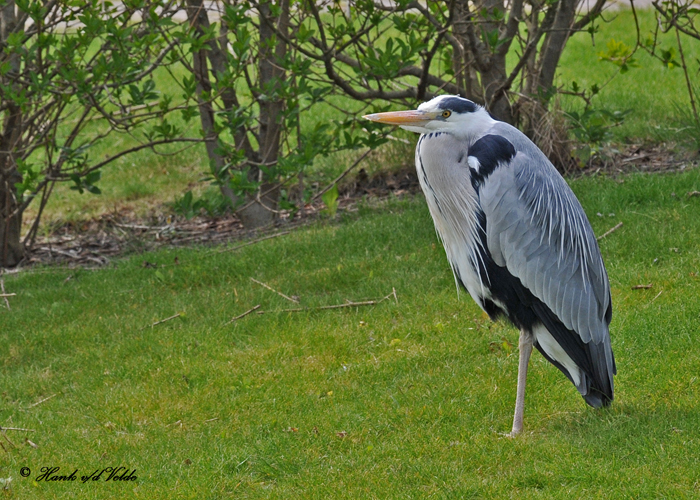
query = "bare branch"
{"x": 265, "y": 285}
{"x": 592, "y": 13}
{"x": 255, "y": 308}
{"x": 609, "y": 231}
{"x": 341, "y": 176}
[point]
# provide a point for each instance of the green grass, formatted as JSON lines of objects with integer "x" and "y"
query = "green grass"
{"x": 397, "y": 400}
{"x": 650, "y": 90}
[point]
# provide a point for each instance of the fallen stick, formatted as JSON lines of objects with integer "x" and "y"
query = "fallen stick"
{"x": 657, "y": 296}
{"x": 41, "y": 401}
{"x": 244, "y": 314}
{"x": 163, "y": 320}
{"x": 2, "y": 289}
{"x": 139, "y": 226}
{"x": 273, "y": 290}
{"x": 4, "y": 435}
{"x": 70, "y": 255}
{"x": 609, "y": 231}
{"x": 16, "y": 429}
{"x": 642, "y": 287}
{"x": 334, "y": 306}
{"x": 635, "y": 158}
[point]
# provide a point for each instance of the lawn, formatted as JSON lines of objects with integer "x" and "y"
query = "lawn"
{"x": 649, "y": 89}
{"x": 403, "y": 399}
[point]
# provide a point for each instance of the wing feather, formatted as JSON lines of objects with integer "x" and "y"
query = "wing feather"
{"x": 567, "y": 251}
{"x": 538, "y": 231}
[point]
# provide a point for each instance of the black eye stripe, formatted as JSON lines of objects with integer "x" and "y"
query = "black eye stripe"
{"x": 458, "y": 105}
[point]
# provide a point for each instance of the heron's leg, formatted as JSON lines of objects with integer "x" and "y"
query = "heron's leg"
{"x": 525, "y": 351}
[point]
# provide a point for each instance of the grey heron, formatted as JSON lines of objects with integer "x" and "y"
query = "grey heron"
{"x": 517, "y": 240}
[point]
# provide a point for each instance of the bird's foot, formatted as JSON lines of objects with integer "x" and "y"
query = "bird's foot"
{"x": 511, "y": 434}
{"x": 515, "y": 432}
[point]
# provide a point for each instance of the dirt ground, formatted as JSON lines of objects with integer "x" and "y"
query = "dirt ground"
{"x": 93, "y": 243}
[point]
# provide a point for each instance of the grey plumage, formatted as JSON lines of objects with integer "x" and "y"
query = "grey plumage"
{"x": 538, "y": 230}
{"x": 517, "y": 239}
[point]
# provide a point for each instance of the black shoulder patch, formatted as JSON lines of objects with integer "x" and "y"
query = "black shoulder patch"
{"x": 490, "y": 150}
{"x": 458, "y": 105}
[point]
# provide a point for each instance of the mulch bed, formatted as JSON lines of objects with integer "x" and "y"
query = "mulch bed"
{"x": 94, "y": 243}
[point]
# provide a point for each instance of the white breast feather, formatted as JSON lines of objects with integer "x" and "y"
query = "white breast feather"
{"x": 453, "y": 204}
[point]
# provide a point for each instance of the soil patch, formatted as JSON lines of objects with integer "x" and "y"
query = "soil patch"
{"x": 95, "y": 242}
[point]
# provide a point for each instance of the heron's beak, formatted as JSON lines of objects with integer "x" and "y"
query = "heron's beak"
{"x": 413, "y": 118}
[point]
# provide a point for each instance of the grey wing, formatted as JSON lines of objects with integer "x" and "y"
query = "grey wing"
{"x": 538, "y": 231}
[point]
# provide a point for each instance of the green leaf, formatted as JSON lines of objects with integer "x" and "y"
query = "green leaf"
{"x": 330, "y": 198}
{"x": 619, "y": 54}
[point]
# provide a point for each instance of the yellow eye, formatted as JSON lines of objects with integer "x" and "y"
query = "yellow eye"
{"x": 446, "y": 114}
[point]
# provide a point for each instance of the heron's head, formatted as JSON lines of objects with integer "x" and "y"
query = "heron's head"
{"x": 445, "y": 113}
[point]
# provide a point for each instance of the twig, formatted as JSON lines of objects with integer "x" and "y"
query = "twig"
{"x": 334, "y": 306}
{"x": 642, "y": 287}
{"x": 70, "y": 255}
{"x": 693, "y": 193}
{"x": 8, "y": 440}
{"x": 244, "y": 314}
{"x": 16, "y": 429}
{"x": 163, "y": 320}
{"x": 609, "y": 231}
{"x": 139, "y": 226}
{"x": 644, "y": 215}
{"x": 635, "y": 158}
{"x": 691, "y": 91}
{"x": 211, "y": 420}
{"x": 41, "y": 401}
{"x": 657, "y": 296}
{"x": 5, "y": 295}
{"x": 296, "y": 301}
{"x": 340, "y": 177}
{"x": 393, "y": 292}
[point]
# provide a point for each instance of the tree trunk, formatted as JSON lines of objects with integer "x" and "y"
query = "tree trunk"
{"x": 554, "y": 43}
{"x": 261, "y": 208}
{"x": 476, "y": 56}
{"x": 559, "y": 25}
{"x": 498, "y": 105}
{"x": 463, "y": 63}
{"x": 197, "y": 17}
{"x": 258, "y": 209}
{"x": 493, "y": 77}
{"x": 11, "y": 248}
